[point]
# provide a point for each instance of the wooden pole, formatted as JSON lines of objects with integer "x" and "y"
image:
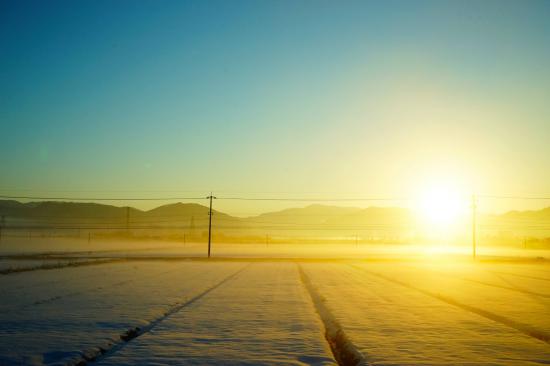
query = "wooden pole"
{"x": 474, "y": 207}
{"x": 127, "y": 220}
{"x": 210, "y": 223}
{"x": 2, "y": 219}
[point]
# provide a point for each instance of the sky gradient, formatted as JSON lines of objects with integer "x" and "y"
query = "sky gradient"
{"x": 324, "y": 99}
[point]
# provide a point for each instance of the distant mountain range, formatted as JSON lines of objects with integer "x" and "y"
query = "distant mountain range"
{"x": 56, "y": 213}
{"x": 311, "y": 221}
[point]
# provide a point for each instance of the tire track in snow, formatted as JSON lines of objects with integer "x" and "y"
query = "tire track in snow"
{"x": 526, "y": 329}
{"x": 344, "y": 351}
{"x": 111, "y": 346}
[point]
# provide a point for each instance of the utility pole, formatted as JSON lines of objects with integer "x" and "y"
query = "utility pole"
{"x": 474, "y": 207}
{"x": 210, "y": 223}
{"x": 127, "y": 220}
{"x": 2, "y": 220}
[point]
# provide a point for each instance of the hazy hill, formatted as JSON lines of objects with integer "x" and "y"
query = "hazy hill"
{"x": 536, "y": 215}
{"x": 310, "y": 221}
{"x": 184, "y": 212}
{"x": 75, "y": 213}
{"x": 393, "y": 216}
{"x": 312, "y": 214}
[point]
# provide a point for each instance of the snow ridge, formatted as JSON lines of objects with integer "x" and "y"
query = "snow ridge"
{"x": 59, "y": 265}
{"x": 76, "y": 293}
{"x": 112, "y": 346}
{"x": 344, "y": 351}
{"x": 521, "y": 275}
{"x": 511, "y": 288}
{"x": 523, "y": 328}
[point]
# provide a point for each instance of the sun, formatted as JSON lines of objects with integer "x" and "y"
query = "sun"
{"x": 440, "y": 205}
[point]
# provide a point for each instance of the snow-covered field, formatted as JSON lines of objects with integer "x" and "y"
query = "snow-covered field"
{"x": 262, "y": 316}
{"x": 394, "y": 324}
{"x": 166, "y": 312}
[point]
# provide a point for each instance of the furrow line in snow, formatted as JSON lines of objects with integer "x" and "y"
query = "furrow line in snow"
{"x": 80, "y": 253}
{"x": 26, "y": 287}
{"x": 59, "y": 265}
{"x": 517, "y": 289}
{"x": 344, "y": 351}
{"x": 521, "y": 275}
{"x": 114, "y": 345}
{"x": 76, "y": 293}
{"x": 479, "y": 282}
{"x": 524, "y": 328}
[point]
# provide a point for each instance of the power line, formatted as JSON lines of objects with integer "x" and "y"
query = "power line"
{"x": 103, "y": 198}
{"x": 242, "y": 198}
{"x": 168, "y": 228}
{"x": 514, "y": 197}
{"x": 204, "y": 198}
{"x": 311, "y": 199}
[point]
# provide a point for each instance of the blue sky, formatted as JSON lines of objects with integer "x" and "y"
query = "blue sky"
{"x": 306, "y": 97}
